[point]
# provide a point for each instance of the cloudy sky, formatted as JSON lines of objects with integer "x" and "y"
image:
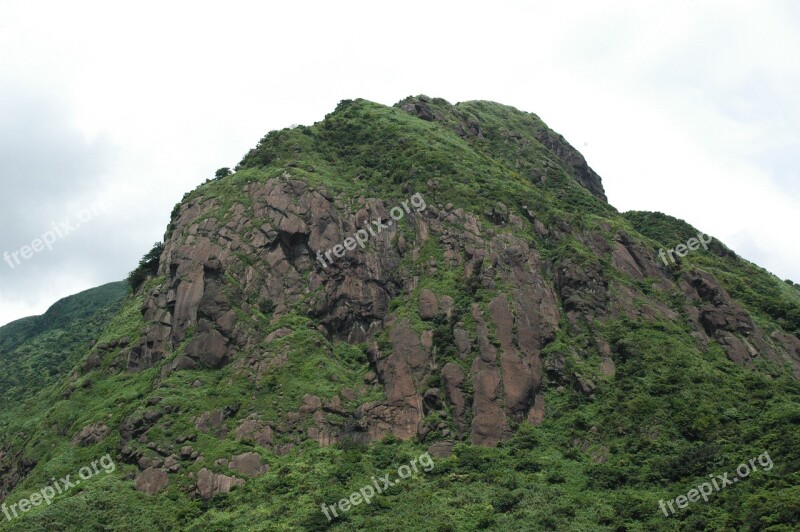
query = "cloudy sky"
{"x": 687, "y": 108}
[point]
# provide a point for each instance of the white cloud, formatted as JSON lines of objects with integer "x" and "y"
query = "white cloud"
{"x": 683, "y": 107}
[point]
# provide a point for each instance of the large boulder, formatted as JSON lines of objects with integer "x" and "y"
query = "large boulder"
{"x": 209, "y": 483}
{"x": 211, "y": 421}
{"x": 248, "y": 464}
{"x": 151, "y": 481}
{"x": 428, "y": 304}
{"x": 209, "y": 347}
{"x": 254, "y": 431}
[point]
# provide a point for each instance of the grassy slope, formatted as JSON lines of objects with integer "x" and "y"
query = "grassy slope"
{"x": 672, "y": 415}
{"x": 40, "y": 350}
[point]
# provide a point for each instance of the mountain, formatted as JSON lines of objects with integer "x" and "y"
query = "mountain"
{"x": 426, "y": 277}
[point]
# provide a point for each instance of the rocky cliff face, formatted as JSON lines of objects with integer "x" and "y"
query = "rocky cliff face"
{"x": 349, "y": 299}
{"x": 462, "y": 361}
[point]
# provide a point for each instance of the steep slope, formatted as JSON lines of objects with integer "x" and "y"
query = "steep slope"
{"x": 500, "y": 314}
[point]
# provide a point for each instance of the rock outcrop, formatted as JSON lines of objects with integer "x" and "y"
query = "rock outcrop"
{"x": 151, "y": 481}
{"x": 91, "y": 434}
{"x": 248, "y": 464}
{"x": 209, "y": 483}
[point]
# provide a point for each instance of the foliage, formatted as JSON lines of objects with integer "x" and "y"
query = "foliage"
{"x": 38, "y": 351}
{"x": 222, "y": 172}
{"x": 148, "y": 267}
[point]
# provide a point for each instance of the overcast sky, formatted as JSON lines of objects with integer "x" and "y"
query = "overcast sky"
{"x": 687, "y": 108}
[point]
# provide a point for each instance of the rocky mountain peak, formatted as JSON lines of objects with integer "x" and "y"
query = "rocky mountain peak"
{"x": 389, "y": 281}
{"x": 451, "y": 303}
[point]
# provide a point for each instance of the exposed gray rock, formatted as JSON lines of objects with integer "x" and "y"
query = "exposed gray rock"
{"x": 151, "y": 481}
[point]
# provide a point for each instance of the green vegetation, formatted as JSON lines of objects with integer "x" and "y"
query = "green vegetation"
{"x": 222, "y": 172}
{"x": 148, "y": 267}
{"x": 674, "y": 412}
{"x": 37, "y": 352}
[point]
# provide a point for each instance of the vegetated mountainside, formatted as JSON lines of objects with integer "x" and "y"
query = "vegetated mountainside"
{"x": 38, "y": 351}
{"x": 518, "y": 327}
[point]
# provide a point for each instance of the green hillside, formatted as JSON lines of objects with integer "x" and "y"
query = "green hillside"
{"x": 38, "y": 351}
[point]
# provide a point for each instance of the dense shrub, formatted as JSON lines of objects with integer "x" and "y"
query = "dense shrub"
{"x": 148, "y": 267}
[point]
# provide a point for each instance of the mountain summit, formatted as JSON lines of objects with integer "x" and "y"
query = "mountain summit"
{"x": 423, "y": 277}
